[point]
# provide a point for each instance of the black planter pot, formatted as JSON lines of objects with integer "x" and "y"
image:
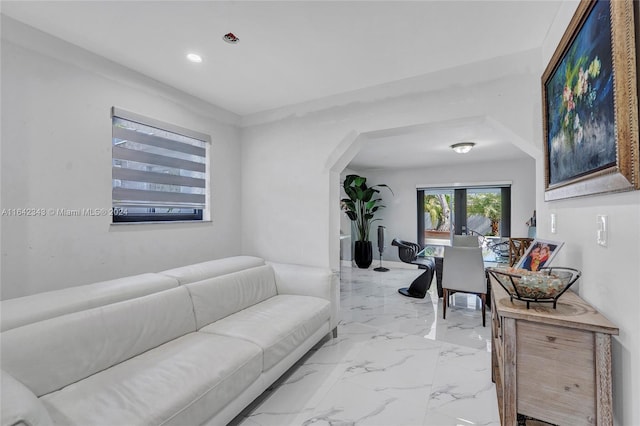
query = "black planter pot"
{"x": 363, "y": 254}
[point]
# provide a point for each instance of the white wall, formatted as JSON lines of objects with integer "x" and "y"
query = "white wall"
{"x": 56, "y": 153}
{"x": 290, "y": 206}
{"x": 610, "y": 275}
{"x": 399, "y": 216}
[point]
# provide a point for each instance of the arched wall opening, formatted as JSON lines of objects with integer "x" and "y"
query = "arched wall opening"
{"x": 399, "y": 217}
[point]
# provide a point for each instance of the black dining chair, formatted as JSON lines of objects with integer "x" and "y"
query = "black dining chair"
{"x": 408, "y": 253}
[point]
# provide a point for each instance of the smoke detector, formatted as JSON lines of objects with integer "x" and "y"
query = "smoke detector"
{"x": 230, "y": 38}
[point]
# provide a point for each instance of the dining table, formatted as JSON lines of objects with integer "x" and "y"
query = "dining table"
{"x": 490, "y": 258}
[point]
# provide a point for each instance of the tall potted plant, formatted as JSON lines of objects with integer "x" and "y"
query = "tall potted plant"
{"x": 360, "y": 207}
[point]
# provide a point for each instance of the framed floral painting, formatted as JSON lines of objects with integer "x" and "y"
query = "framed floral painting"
{"x": 590, "y": 104}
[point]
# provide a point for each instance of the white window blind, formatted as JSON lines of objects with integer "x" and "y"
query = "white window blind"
{"x": 159, "y": 171}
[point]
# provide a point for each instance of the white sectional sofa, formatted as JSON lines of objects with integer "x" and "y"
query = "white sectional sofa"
{"x": 188, "y": 346}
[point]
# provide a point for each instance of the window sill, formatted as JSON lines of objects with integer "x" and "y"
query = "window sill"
{"x": 161, "y": 222}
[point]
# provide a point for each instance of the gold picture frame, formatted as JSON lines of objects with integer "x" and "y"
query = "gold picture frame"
{"x": 590, "y": 104}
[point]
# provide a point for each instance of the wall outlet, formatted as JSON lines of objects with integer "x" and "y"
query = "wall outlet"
{"x": 602, "y": 232}
{"x": 553, "y": 223}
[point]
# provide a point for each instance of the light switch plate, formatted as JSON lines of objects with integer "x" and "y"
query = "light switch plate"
{"x": 553, "y": 223}
{"x": 602, "y": 233}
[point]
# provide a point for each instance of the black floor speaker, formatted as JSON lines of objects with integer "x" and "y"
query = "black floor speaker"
{"x": 381, "y": 238}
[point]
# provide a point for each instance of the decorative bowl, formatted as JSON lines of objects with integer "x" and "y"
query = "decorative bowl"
{"x": 545, "y": 285}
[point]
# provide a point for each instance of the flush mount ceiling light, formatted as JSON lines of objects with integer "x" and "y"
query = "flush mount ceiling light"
{"x": 230, "y": 38}
{"x": 462, "y": 147}
{"x": 194, "y": 57}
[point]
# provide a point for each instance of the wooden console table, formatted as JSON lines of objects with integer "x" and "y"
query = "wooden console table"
{"x": 551, "y": 364}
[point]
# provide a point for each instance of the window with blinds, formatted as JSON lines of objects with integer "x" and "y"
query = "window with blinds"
{"x": 159, "y": 171}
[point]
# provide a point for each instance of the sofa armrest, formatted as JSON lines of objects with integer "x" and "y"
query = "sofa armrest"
{"x": 20, "y": 406}
{"x": 309, "y": 281}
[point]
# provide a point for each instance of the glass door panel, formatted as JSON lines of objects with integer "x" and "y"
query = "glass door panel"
{"x": 438, "y": 217}
{"x": 484, "y": 211}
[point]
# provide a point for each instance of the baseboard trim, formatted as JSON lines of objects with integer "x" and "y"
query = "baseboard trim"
{"x": 385, "y": 263}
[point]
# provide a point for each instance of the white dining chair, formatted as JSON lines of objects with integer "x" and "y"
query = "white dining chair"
{"x": 463, "y": 271}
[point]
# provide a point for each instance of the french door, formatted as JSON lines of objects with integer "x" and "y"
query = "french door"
{"x": 482, "y": 210}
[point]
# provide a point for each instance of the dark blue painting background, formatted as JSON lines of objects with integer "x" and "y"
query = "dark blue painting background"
{"x": 570, "y": 158}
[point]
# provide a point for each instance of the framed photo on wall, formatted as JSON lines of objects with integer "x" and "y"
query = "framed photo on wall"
{"x": 590, "y": 104}
{"x": 540, "y": 253}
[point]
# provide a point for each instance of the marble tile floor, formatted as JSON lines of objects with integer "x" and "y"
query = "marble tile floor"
{"x": 395, "y": 362}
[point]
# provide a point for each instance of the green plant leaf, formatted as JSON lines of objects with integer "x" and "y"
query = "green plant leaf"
{"x": 368, "y": 194}
{"x": 348, "y": 180}
{"x": 360, "y": 181}
{"x": 361, "y": 204}
{"x": 386, "y": 186}
{"x": 348, "y": 205}
{"x": 351, "y": 193}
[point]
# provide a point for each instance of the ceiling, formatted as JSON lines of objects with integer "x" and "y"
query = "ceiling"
{"x": 292, "y": 52}
{"x": 429, "y": 146}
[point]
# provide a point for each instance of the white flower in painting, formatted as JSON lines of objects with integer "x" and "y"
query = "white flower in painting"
{"x": 579, "y": 131}
{"x": 583, "y": 83}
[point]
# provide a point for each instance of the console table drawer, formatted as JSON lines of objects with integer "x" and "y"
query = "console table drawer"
{"x": 556, "y": 370}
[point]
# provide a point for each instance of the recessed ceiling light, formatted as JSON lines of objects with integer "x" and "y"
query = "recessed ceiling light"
{"x": 462, "y": 147}
{"x": 230, "y": 38}
{"x": 194, "y": 57}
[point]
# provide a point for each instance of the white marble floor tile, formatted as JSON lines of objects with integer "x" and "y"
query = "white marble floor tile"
{"x": 395, "y": 362}
{"x": 465, "y": 391}
{"x": 351, "y": 404}
{"x": 397, "y": 365}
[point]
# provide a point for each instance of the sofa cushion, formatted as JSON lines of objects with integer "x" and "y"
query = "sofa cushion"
{"x": 218, "y": 297}
{"x": 183, "y": 382}
{"x": 19, "y": 406}
{"x": 48, "y": 355}
{"x": 213, "y": 268}
{"x": 38, "y": 307}
{"x": 309, "y": 281}
{"x": 278, "y": 325}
